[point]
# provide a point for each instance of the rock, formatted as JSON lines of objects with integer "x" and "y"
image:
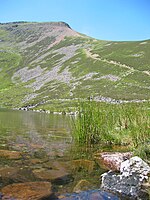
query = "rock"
{"x": 87, "y": 165}
{"x": 28, "y": 191}
{"x": 7, "y": 174}
{"x": 55, "y": 171}
{"x": 46, "y": 174}
{"x": 81, "y": 186}
{"x": 124, "y": 186}
{"x": 90, "y": 195}
{"x": 35, "y": 161}
{"x": 57, "y": 176}
{"x": 135, "y": 165}
{"x": 8, "y": 171}
{"x": 111, "y": 160}
{"x": 10, "y": 154}
{"x": 36, "y": 146}
{"x": 13, "y": 175}
{"x": 4, "y": 197}
{"x": 146, "y": 186}
{"x": 129, "y": 182}
{"x": 58, "y": 165}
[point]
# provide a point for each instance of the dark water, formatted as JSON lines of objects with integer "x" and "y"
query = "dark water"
{"x": 46, "y": 145}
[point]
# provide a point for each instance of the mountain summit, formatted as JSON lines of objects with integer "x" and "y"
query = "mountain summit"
{"x": 41, "y": 63}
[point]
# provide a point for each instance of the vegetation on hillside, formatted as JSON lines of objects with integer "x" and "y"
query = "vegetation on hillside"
{"x": 41, "y": 63}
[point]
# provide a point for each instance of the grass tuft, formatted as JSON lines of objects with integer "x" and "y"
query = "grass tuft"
{"x": 114, "y": 124}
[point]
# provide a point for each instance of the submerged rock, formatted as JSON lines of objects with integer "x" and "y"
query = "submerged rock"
{"x": 8, "y": 171}
{"x": 58, "y": 165}
{"x": 81, "y": 186}
{"x": 134, "y": 172}
{"x": 90, "y": 195}
{"x": 14, "y": 175}
{"x": 57, "y": 176}
{"x": 7, "y": 174}
{"x": 10, "y": 154}
{"x": 36, "y": 161}
{"x": 27, "y": 191}
{"x": 87, "y": 165}
{"x": 57, "y": 172}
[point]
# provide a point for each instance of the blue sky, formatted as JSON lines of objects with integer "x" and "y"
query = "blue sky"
{"x": 101, "y": 19}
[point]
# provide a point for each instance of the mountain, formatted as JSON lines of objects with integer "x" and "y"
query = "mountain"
{"x": 49, "y": 64}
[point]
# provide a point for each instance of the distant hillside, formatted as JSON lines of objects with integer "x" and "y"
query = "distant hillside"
{"x": 49, "y": 63}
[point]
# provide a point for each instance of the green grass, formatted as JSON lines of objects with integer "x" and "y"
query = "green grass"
{"x": 140, "y": 79}
{"x": 13, "y": 96}
{"x": 3, "y": 34}
{"x": 123, "y": 124}
{"x": 133, "y": 54}
{"x": 8, "y": 63}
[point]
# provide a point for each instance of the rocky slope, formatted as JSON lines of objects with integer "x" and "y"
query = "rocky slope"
{"x": 46, "y": 64}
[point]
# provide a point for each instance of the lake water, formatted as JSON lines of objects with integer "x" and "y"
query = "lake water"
{"x": 48, "y": 152}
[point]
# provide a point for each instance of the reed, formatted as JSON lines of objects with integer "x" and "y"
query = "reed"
{"x": 116, "y": 124}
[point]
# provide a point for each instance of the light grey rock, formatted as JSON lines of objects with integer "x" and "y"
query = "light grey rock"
{"x": 135, "y": 165}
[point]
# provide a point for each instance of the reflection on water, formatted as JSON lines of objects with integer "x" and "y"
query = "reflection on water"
{"x": 46, "y": 148}
{"x": 51, "y": 132}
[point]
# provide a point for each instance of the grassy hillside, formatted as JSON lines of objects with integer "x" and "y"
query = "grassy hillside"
{"x": 49, "y": 65}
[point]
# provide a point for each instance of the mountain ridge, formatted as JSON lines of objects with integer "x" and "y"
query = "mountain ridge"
{"x": 45, "y": 62}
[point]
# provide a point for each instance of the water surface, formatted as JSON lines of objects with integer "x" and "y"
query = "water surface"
{"x": 46, "y": 144}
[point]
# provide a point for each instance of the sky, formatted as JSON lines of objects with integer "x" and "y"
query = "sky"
{"x": 116, "y": 20}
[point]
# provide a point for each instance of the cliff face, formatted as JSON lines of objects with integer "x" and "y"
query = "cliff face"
{"x": 43, "y": 62}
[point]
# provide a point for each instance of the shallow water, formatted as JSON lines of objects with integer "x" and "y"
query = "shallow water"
{"x": 47, "y": 149}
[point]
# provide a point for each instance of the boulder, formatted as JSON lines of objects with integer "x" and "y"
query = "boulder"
{"x": 112, "y": 160}
{"x": 135, "y": 165}
{"x": 133, "y": 173}
{"x": 27, "y": 191}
